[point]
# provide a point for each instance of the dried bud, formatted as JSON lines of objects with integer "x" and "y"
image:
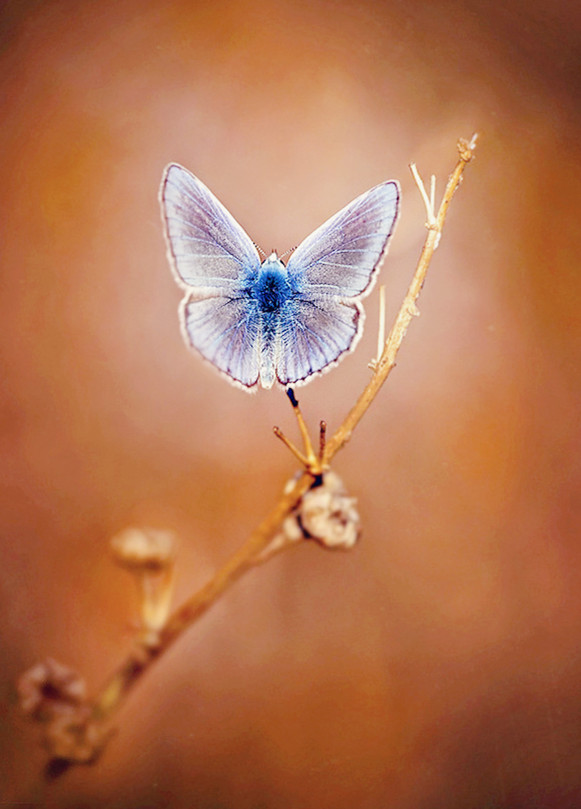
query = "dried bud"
{"x": 142, "y": 549}
{"x": 150, "y": 555}
{"x": 49, "y": 688}
{"x": 326, "y": 514}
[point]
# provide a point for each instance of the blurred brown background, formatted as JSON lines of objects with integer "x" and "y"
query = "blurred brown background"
{"x": 439, "y": 664}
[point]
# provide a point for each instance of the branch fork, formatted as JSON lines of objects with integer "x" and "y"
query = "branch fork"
{"x": 314, "y": 463}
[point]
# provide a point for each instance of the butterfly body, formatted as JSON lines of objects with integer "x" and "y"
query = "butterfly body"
{"x": 273, "y": 288}
{"x": 266, "y": 322}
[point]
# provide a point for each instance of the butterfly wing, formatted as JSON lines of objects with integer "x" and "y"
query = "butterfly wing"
{"x": 314, "y": 333}
{"x": 208, "y": 249}
{"x": 215, "y": 260}
{"x": 332, "y": 270}
{"x": 225, "y": 330}
{"x": 342, "y": 257}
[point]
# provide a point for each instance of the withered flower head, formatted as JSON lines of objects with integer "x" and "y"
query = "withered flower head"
{"x": 55, "y": 695}
{"x": 326, "y": 514}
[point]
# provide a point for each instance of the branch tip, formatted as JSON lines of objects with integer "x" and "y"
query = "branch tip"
{"x": 289, "y": 444}
{"x": 466, "y": 148}
{"x": 322, "y": 439}
{"x": 383, "y": 366}
{"x": 432, "y": 223}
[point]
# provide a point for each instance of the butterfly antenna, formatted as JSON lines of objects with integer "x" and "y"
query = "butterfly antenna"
{"x": 292, "y": 249}
{"x": 259, "y": 248}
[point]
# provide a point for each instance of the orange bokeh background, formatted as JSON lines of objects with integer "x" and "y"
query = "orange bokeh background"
{"x": 439, "y": 663}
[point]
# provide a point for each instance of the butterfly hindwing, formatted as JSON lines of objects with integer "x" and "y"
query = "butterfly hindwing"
{"x": 225, "y": 330}
{"x": 313, "y": 335}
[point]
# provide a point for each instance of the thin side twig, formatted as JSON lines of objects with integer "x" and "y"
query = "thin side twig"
{"x": 193, "y": 608}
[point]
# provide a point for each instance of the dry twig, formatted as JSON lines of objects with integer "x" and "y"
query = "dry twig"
{"x": 260, "y": 545}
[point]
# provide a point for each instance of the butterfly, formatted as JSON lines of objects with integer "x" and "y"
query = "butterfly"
{"x": 264, "y": 322}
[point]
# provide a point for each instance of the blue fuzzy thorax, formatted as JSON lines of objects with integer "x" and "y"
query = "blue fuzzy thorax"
{"x": 273, "y": 288}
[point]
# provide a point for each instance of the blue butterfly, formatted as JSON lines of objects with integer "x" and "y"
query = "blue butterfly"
{"x": 264, "y": 322}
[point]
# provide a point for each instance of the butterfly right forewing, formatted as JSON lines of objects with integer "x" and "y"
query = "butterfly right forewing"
{"x": 332, "y": 269}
